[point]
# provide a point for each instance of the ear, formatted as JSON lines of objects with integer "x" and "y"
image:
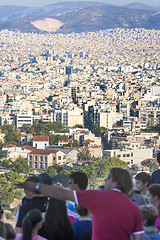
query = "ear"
{"x": 146, "y": 184}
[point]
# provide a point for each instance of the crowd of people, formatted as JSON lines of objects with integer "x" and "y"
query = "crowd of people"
{"x": 122, "y": 209}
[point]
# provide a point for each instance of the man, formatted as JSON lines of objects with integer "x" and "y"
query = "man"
{"x": 114, "y": 215}
{"x": 143, "y": 180}
{"x": 35, "y": 201}
{"x": 136, "y": 198}
{"x": 77, "y": 181}
{"x": 156, "y": 174}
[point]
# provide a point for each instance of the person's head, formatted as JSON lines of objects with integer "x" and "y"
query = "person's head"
{"x": 45, "y": 178}
{"x": 35, "y": 179}
{"x": 81, "y": 210}
{"x": 143, "y": 180}
{"x": 78, "y": 181}
{"x": 2, "y": 230}
{"x": 32, "y": 222}
{"x": 10, "y": 233}
{"x": 158, "y": 158}
{"x": 149, "y": 215}
{"x": 56, "y": 215}
{"x": 153, "y": 194}
{"x": 1, "y": 212}
{"x": 119, "y": 178}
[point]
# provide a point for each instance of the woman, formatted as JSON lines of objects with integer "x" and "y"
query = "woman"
{"x": 153, "y": 197}
{"x": 30, "y": 226}
{"x": 57, "y": 225}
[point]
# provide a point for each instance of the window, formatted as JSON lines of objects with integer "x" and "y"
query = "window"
{"x": 45, "y": 165}
{"x": 127, "y": 155}
{"x": 131, "y": 161}
{"x": 118, "y": 155}
{"x": 35, "y": 158}
{"x": 35, "y": 165}
{"x": 36, "y": 145}
{"x": 59, "y": 157}
{"x": 54, "y": 158}
{"x": 41, "y": 165}
{"x": 45, "y": 159}
{"x": 131, "y": 154}
{"x": 30, "y": 157}
{"x": 30, "y": 164}
{"x": 41, "y": 158}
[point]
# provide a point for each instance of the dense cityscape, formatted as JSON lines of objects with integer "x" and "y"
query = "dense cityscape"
{"x": 77, "y": 100}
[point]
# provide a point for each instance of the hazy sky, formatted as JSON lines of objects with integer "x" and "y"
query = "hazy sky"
{"x": 46, "y": 2}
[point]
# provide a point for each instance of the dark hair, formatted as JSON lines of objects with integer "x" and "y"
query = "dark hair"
{"x": 154, "y": 190}
{"x": 34, "y": 179}
{"x": 10, "y": 233}
{"x": 45, "y": 178}
{"x": 158, "y": 157}
{"x": 149, "y": 213}
{"x": 60, "y": 227}
{"x": 2, "y": 230}
{"x": 123, "y": 179}
{"x": 29, "y": 222}
{"x": 1, "y": 212}
{"x": 81, "y": 210}
{"x": 80, "y": 178}
{"x": 144, "y": 177}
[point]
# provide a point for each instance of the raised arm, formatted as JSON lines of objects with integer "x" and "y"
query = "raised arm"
{"x": 50, "y": 191}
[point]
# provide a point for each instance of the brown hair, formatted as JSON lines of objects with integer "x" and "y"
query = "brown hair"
{"x": 149, "y": 214}
{"x": 123, "y": 179}
{"x": 154, "y": 190}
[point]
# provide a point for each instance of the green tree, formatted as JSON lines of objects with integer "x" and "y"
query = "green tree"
{"x": 20, "y": 166}
{"x": 15, "y": 177}
{"x": 6, "y": 163}
{"x": 12, "y": 135}
{"x": 84, "y": 154}
{"x": 98, "y": 170}
{"x": 153, "y": 165}
{"x": 53, "y": 139}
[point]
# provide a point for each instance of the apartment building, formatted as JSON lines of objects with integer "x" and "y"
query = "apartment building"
{"x": 44, "y": 158}
{"x": 132, "y": 156}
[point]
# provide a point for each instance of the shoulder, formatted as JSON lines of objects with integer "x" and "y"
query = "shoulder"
{"x": 18, "y": 236}
{"x": 37, "y": 237}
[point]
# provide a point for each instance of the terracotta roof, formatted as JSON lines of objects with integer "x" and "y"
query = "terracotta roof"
{"x": 43, "y": 151}
{"x": 88, "y": 141}
{"x": 9, "y": 146}
{"x": 41, "y": 138}
{"x": 27, "y": 147}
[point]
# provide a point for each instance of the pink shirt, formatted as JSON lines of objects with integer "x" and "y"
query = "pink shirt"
{"x": 114, "y": 215}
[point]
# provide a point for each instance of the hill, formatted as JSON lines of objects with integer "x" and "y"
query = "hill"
{"x": 67, "y": 17}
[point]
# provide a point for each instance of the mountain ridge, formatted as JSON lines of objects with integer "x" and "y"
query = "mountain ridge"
{"x": 79, "y": 17}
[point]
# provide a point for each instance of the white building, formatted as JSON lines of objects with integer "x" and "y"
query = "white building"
{"x": 132, "y": 156}
{"x": 40, "y": 142}
{"x": 23, "y": 119}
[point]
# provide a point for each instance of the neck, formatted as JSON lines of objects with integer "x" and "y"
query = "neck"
{"x": 143, "y": 192}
